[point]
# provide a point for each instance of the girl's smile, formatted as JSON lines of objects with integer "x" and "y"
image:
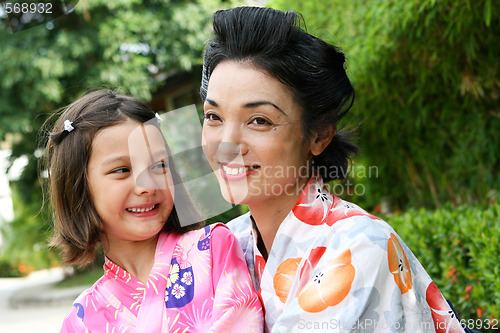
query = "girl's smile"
{"x": 143, "y": 210}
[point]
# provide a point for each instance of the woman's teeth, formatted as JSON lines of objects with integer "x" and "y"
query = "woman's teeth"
{"x": 236, "y": 171}
{"x": 141, "y": 210}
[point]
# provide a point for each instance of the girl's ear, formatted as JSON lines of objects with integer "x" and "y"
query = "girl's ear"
{"x": 319, "y": 141}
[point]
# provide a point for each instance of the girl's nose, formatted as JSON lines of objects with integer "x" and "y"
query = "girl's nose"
{"x": 145, "y": 183}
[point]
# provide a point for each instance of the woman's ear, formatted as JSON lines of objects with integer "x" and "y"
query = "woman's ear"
{"x": 319, "y": 141}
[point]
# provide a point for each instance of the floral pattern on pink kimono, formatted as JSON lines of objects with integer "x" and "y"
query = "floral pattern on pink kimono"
{"x": 199, "y": 283}
{"x": 333, "y": 267}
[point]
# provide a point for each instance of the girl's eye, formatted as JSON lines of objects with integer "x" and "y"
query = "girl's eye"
{"x": 260, "y": 121}
{"x": 120, "y": 170}
{"x": 211, "y": 117}
{"x": 160, "y": 167}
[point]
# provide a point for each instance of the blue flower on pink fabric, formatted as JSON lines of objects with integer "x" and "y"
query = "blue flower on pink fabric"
{"x": 178, "y": 291}
{"x": 187, "y": 278}
{"x": 181, "y": 291}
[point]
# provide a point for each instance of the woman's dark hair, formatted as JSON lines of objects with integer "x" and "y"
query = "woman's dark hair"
{"x": 77, "y": 225}
{"x": 314, "y": 71}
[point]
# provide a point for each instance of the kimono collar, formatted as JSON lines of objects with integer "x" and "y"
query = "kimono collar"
{"x": 315, "y": 202}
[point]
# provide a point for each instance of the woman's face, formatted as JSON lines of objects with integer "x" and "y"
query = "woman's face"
{"x": 252, "y": 135}
{"x": 130, "y": 182}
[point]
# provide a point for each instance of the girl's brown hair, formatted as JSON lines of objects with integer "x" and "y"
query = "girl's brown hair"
{"x": 77, "y": 225}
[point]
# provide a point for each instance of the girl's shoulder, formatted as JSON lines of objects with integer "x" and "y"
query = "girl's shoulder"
{"x": 94, "y": 289}
{"x": 209, "y": 229}
{"x": 203, "y": 237}
{"x": 92, "y": 296}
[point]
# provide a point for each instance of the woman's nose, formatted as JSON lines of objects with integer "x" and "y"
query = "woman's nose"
{"x": 233, "y": 143}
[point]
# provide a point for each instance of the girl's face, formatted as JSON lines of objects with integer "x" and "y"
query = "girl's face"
{"x": 252, "y": 134}
{"x": 129, "y": 181}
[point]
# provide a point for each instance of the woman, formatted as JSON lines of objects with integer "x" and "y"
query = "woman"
{"x": 273, "y": 95}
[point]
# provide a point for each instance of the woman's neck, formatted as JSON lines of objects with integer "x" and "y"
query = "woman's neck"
{"x": 137, "y": 258}
{"x": 268, "y": 215}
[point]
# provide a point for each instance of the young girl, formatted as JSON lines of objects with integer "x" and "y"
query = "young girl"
{"x": 112, "y": 182}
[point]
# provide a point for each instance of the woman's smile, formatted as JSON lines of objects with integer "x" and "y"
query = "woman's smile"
{"x": 235, "y": 171}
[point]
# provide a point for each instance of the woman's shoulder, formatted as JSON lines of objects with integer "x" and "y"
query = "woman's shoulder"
{"x": 333, "y": 212}
{"x": 339, "y": 224}
{"x": 241, "y": 226}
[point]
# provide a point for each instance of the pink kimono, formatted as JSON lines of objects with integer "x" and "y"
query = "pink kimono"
{"x": 335, "y": 268}
{"x": 199, "y": 283}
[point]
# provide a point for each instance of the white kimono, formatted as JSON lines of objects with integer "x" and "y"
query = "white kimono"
{"x": 335, "y": 268}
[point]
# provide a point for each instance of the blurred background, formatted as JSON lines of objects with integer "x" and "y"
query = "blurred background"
{"x": 427, "y": 80}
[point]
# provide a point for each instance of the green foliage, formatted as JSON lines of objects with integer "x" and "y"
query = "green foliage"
{"x": 26, "y": 237}
{"x": 427, "y": 78}
{"x": 7, "y": 269}
{"x": 132, "y": 45}
{"x": 459, "y": 247}
{"x": 227, "y": 216}
{"x": 84, "y": 278}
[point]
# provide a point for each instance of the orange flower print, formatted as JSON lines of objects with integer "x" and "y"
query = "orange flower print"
{"x": 312, "y": 206}
{"x": 260, "y": 264}
{"x": 309, "y": 266}
{"x": 398, "y": 264}
{"x": 284, "y": 277}
{"x": 330, "y": 286}
{"x": 342, "y": 210}
{"x": 445, "y": 320}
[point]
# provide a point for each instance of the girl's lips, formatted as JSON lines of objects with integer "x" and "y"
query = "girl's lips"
{"x": 236, "y": 171}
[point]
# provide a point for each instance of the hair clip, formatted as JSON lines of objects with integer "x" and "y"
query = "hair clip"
{"x": 67, "y": 125}
{"x": 158, "y": 117}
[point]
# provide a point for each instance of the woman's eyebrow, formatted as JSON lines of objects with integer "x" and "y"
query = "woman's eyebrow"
{"x": 250, "y": 105}
{"x": 259, "y": 103}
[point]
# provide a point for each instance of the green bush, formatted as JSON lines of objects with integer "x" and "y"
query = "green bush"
{"x": 459, "y": 247}
{"x": 26, "y": 237}
{"x": 8, "y": 269}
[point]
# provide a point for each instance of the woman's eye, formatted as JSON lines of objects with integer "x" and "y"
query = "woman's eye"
{"x": 211, "y": 117}
{"x": 260, "y": 121}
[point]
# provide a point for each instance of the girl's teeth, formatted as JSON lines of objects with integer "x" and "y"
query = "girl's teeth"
{"x": 141, "y": 210}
